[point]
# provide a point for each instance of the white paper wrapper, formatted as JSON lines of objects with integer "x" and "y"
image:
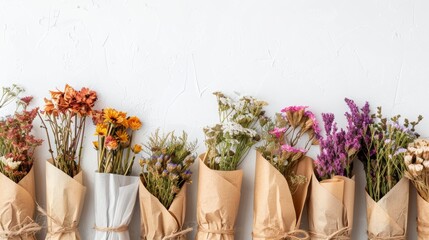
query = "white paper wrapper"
{"x": 115, "y": 197}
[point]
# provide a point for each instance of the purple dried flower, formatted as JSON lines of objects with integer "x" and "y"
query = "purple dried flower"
{"x": 340, "y": 147}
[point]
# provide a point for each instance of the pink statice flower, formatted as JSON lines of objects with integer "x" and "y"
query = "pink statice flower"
{"x": 289, "y": 148}
{"x": 27, "y": 99}
{"x": 293, "y": 108}
{"x": 316, "y": 127}
{"x": 278, "y": 132}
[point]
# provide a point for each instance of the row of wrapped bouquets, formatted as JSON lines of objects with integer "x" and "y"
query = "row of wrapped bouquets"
{"x": 285, "y": 177}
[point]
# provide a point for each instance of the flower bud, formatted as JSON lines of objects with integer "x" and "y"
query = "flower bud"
{"x": 408, "y": 159}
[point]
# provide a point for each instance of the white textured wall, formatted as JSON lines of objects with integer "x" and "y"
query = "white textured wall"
{"x": 162, "y": 59}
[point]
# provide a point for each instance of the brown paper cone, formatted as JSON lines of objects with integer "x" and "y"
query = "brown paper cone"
{"x": 422, "y": 218}
{"x": 218, "y": 201}
{"x": 64, "y": 202}
{"x": 157, "y": 222}
{"x": 17, "y": 208}
{"x": 387, "y": 218}
{"x": 330, "y": 208}
{"x": 276, "y": 212}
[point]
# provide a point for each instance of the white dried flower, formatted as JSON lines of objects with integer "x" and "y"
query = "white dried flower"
{"x": 419, "y": 160}
{"x": 412, "y": 149}
{"x": 425, "y": 154}
{"x": 12, "y": 165}
{"x": 235, "y": 129}
{"x": 408, "y": 159}
{"x": 426, "y": 164}
{"x": 415, "y": 169}
{"x": 419, "y": 152}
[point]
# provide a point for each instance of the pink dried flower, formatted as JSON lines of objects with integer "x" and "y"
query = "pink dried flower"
{"x": 293, "y": 108}
{"x": 278, "y": 132}
{"x": 26, "y": 99}
{"x": 288, "y": 148}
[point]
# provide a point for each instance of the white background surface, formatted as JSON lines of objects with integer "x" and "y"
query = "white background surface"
{"x": 161, "y": 60}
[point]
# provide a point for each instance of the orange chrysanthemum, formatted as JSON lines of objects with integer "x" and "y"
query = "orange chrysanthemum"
{"x": 87, "y": 96}
{"x": 134, "y": 123}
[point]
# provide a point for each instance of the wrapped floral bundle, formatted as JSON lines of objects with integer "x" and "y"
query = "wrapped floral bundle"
{"x": 116, "y": 191}
{"x": 383, "y": 149}
{"x": 165, "y": 174}
{"x": 417, "y": 170}
{"x": 219, "y": 183}
{"x": 17, "y": 145}
{"x": 283, "y": 174}
{"x": 64, "y": 116}
{"x": 330, "y": 211}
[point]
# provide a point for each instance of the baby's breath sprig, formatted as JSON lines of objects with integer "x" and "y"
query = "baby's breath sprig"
{"x": 229, "y": 141}
{"x": 166, "y": 168}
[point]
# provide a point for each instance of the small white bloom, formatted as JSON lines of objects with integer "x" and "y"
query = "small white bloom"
{"x": 412, "y": 149}
{"x": 419, "y": 168}
{"x": 426, "y": 164}
{"x": 408, "y": 159}
{"x": 10, "y": 163}
{"x": 419, "y": 152}
{"x": 217, "y": 160}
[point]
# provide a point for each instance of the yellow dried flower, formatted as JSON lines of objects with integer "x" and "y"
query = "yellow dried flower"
{"x": 101, "y": 130}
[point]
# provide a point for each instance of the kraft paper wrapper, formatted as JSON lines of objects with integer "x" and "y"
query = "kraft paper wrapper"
{"x": 330, "y": 208}
{"x": 276, "y": 211}
{"x": 422, "y": 218}
{"x": 64, "y": 202}
{"x": 17, "y": 204}
{"x": 388, "y": 217}
{"x": 156, "y": 221}
{"x": 115, "y": 197}
{"x": 218, "y": 202}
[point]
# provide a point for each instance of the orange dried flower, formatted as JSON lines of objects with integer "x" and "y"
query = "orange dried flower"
{"x": 136, "y": 148}
{"x": 69, "y": 94}
{"x": 97, "y": 117}
{"x": 122, "y": 136}
{"x": 134, "y": 123}
{"x": 49, "y": 107}
{"x": 87, "y": 96}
